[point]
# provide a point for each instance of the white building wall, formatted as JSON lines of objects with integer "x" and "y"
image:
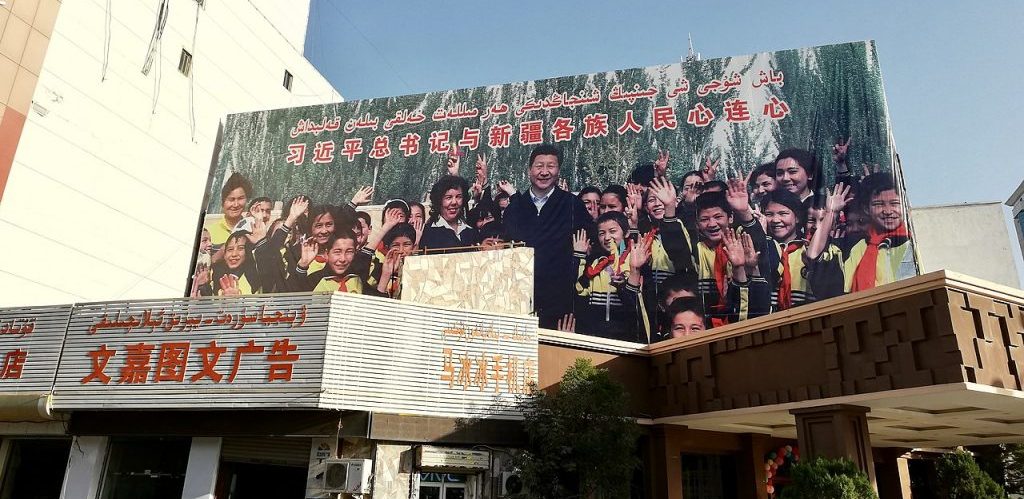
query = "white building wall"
{"x": 290, "y": 18}
{"x": 970, "y": 239}
{"x": 104, "y": 195}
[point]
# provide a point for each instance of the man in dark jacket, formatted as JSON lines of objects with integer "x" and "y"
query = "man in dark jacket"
{"x": 545, "y": 218}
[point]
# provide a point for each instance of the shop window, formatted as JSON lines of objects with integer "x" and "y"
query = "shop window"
{"x": 145, "y": 467}
{"x": 709, "y": 476}
{"x": 35, "y": 468}
{"x": 442, "y": 486}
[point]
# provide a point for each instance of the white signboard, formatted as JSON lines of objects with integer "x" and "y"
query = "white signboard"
{"x": 30, "y": 341}
{"x": 210, "y": 353}
{"x": 340, "y": 351}
{"x": 406, "y": 358}
{"x": 430, "y": 457}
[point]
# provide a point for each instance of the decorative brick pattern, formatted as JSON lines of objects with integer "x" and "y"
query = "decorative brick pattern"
{"x": 933, "y": 337}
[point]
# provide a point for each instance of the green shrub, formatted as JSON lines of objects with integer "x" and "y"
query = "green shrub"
{"x": 828, "y": 479}
{"x": 961, "y": 478}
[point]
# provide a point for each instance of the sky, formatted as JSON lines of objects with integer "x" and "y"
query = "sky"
{"x": 951, "y": 70}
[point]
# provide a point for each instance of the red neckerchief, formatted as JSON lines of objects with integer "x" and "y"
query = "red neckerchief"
{"x": 786, "y": 283}
{"x": 320, "y": 259}
{"x": 341, "y": 280}
{"x": 721, "y": 268}
{"x": 604, "y": 262}
{"x": 864, "y": 277}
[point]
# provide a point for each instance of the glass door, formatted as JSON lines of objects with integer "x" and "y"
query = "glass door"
{"x": 442, "y": 486}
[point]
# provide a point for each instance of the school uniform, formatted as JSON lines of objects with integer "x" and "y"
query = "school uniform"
{"x": 606, "y": 309}
{"x": 747, "y": 300}
{"x": 247, "y": 279}
{"x": 795, "y": 280}
{"x": 714, "y": 272}
{"x": 892, "y": 254}
{"x": 348, "y": 283}
{"x": 670, "y": 254}
{"x": 219, "y": 231}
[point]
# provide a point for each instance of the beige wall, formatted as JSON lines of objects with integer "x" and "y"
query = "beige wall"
{"x": 968, "y": 238}
{"x": 25, "y": 29}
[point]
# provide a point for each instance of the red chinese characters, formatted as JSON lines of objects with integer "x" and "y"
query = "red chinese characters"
{"x": 499, "y": 136}
{"x": 562, "y": 130}
{"x": 323, "y": 152}
{"x": 736, "y": 111}
{"x": 381, "y": 147}
{"x": 439, "y": 142}
{"x": 249, "y": 348}
{"x": 629, "y": 124}
{"x": 776, "y": 109}
{"x": 14, "y": 363}
{"x": 470, "y": 138}
{"x": 664, "y": 117}
{"x": 209, "y": 355}
{"x": 531, "y": 132}
{"x": 352, "y": 148}
{"x": 595, "y": 125}
{"x": 281, "y": 359}
{"x": 173, "y": 360}
{"x": 99, "y": 360}
{"x": 136, "y": 363}
{"x": 700, "y": 115}
{"x": 296, "y": 154}
{"x": 409, "y": 145}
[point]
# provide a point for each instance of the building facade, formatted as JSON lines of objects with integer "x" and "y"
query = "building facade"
{"x": 110, "y": 118}
{"x": 249, "y": 396}
{"x": 938, "y": 249}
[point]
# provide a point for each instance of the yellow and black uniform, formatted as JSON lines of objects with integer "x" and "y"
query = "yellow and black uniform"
{"x": 219, "y": 231}
{"x": 671, "y": 254}
{"x": 273, "y": 259}
{"x": 607, "y": 309}
{"x": 795, "y": 280}
{"x": 302, "y": 279}
{"x": 671, "y": 249}
{"x": 369, "y": 263}
{"x": 894, "y": 260}
{"x": 714, "y": 271}
{"x": 349, "y": 283}
{"x": 747, "y": 300}
{"x": 247, "y": 278}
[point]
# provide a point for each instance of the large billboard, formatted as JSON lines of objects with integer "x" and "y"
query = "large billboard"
{"x": 660, "y": 201}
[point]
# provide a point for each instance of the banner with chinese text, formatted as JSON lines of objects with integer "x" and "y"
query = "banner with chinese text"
{"x": 809, "y": 122}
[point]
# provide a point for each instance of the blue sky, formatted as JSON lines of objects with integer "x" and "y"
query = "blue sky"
{"x": 952, "y": 70}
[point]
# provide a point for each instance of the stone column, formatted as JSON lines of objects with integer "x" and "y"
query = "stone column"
{"x": 201, "y": 471}
{"x": 893, "y": 473}
{"x": 85, "y": 468}
{"x": 834, "y": 431}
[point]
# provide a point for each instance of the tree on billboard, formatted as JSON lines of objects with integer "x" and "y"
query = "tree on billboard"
{"x": 839, "y": 96}
{"x": 582, "y": 441}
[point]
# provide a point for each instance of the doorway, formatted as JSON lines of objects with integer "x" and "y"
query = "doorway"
{"x": 436, "y": 485}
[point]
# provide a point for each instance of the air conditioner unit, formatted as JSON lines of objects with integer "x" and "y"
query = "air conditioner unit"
{"x": 349, "y": 476}
{"x": 511, "y": 483}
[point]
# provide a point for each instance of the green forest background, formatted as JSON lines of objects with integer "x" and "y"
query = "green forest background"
{"x": 833, "y": 91}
